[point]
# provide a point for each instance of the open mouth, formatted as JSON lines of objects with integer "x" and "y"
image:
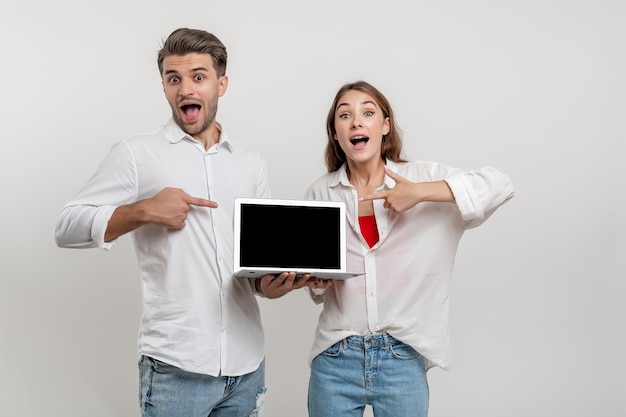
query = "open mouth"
{"x": 359, "y": 139}
{"x": 191, "y": 111}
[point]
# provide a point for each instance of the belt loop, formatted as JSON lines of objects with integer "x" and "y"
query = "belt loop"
{"x": 386, "y": 340}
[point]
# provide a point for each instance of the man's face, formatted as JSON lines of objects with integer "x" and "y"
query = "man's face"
{"x": 192, "y": 89}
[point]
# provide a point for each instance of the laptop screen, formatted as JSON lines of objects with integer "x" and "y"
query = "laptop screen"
{"x": 292, "y": 235}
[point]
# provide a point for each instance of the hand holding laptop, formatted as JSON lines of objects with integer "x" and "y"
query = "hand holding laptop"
{"x": 275, "y": 286}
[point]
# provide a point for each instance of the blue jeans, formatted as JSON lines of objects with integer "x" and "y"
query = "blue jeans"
{"x": 167, "y": 391}
{"x": 378, "y": 370}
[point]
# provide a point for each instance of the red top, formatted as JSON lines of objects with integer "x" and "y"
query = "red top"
{"x": 369, "y": 229}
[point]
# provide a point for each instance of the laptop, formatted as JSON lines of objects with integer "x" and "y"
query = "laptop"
{"x": 303, "y": 236}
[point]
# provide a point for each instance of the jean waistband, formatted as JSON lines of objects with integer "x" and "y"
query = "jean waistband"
{"x": 373, "y": 340}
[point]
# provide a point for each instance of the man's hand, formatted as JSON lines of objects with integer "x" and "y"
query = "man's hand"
{"x": 275, "y": 286}
{"x": 168, "y": 208}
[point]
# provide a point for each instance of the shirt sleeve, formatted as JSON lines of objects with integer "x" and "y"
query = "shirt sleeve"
{"x": 263, "y": 188}
{"x": 83, "y": 221}
{"x": 478, "y": 193}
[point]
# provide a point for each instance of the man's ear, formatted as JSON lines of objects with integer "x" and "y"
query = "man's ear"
{"x": 222, "y": 85}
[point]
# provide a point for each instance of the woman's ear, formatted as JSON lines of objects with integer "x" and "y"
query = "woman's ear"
{"x": 386, "y": 126}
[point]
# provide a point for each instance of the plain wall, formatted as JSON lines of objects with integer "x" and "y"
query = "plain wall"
{"x": 534, "y": 88}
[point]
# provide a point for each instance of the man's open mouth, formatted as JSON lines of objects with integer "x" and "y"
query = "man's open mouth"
{"x": 191, "y": 111}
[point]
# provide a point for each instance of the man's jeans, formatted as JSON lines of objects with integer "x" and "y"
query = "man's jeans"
{"x": 167, "y": 391}
{"x": 376, "y": 369}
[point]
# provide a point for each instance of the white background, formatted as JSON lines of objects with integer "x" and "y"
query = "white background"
{"x": 534, "y": 88}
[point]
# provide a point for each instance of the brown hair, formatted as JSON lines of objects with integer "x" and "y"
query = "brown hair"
{"x": 186, "y": 41}
{"x": 392, "y": 141}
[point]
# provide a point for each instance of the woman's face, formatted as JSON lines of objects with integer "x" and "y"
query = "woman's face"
{"x": 360, "y": 125}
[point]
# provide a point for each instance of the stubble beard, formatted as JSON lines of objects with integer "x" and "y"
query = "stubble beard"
{"x": 189, "y": 129}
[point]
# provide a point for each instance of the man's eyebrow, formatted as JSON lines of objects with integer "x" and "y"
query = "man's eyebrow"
{"x": 196, "y": 69}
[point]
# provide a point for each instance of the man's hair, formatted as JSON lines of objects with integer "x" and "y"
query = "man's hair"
{"x": 392, "y": 141}
{"x": 185, "y": 41}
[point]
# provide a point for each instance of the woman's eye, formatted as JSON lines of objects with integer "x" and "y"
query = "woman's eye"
{"x": 344, "y": 116}
{"x": 368, "y": 113}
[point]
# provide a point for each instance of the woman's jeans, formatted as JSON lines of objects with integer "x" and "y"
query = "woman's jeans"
{"x": 378, "y": 370}
{"x": 167, "y": 391}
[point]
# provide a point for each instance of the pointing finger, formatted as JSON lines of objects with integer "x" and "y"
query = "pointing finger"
{"x": 196, "y": 201}
{"x": 375, "y": 196}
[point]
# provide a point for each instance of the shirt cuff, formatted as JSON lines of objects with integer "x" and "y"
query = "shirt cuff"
{"x": 99, "y": 227}
{"x": 318, "y": 295}
{"x": 460, "y": 187}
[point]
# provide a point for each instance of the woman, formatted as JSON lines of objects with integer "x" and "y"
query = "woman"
{"x": 378, "y": 334}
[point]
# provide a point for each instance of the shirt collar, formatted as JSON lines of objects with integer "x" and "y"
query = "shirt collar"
{"x": 175, "y": 134}
{"x": 340, "y": 176}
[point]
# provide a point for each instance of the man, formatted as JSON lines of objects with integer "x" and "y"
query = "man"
{"x": 200, "y": 339}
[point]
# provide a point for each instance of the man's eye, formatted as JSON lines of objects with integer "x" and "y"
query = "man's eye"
{"x": 174, "y": 80}
{"x": 199, "y": 77}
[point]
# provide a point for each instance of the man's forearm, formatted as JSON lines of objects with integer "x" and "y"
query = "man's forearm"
{"x": 126, "y": 219}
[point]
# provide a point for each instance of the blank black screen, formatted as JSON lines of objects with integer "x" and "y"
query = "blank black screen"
{"x": 289, "y": 236}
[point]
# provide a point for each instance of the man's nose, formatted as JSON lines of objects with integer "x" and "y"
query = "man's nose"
{"x": 186, "y": 87}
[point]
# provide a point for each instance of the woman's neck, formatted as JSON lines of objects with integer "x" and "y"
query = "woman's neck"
{"x": 366, "y": 179}
{"x": 367, "y": 175}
